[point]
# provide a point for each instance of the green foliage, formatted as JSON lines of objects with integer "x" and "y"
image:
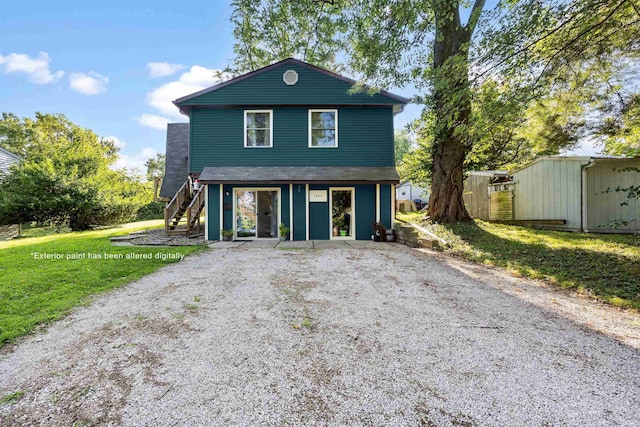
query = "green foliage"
{"x": 284, "y": 230}
{"x": 402, "y": 143}
{"x": 268, "y": 31}
{"x": 155, "y": 167}
{"x": 64, "y": 177}
{"x": 620, "y": 130}
{"x": 36, "y": 291}
{"x": 152, "y": 210}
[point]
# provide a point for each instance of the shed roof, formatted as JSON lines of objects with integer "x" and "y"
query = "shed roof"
{"x": 301, "y": 174}
{"x": 582, "y": 159}
{"x": 176, "y": 160}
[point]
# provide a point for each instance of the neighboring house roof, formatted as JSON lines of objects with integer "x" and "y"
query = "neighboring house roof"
{"x": 302, "y": 174}
{"x": 7, "y": 159}
{"x": 325, "y": 86}
{"x": 176, "y": 160}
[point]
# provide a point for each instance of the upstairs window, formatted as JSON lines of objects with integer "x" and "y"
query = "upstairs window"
{"x": 323, "y": 128}
{"x": 258, "y": 125}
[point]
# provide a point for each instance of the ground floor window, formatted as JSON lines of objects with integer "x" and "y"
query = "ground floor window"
{"x": 256, "y": 213}
{"x": 342, "y": 213}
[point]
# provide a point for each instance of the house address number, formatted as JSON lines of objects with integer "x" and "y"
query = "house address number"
{"x": 318, "y": 196}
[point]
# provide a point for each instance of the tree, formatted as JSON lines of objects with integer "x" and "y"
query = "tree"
{"x": 402, "y": 143}
{"x": 428, "y": 44}
{"x": 64, "y": 177}
{"x": 155, "y": 167}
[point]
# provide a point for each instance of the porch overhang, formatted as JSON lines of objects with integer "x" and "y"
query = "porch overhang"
{"x": 299, "y": 175}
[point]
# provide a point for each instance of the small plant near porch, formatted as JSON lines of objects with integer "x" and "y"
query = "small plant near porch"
{"x": 284, "y": 231}
{"x": 226, "y": 235}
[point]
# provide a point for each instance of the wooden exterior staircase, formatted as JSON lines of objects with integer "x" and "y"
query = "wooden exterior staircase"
{"x": 182, "y": 213}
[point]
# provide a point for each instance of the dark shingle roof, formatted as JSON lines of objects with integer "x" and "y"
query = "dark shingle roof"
{"x": 177, "y": 159}
{"x": 300, "y": 174}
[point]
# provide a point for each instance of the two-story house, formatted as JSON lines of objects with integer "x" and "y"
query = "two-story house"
{"x": 291, "y": 143}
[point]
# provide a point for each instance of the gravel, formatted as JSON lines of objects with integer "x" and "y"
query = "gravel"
{"x": 350, "y": 336}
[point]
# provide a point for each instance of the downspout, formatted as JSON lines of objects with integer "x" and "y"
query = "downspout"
{"x": 583, "y": 187}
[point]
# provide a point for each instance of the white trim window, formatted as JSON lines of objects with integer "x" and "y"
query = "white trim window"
{"x": 323, "y": 128}
{"x": 258, "y": 128}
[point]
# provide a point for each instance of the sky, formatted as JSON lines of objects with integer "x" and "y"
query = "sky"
{"x": 115, "y": 67}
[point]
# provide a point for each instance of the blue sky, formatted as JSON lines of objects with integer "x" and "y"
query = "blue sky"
{"x": 114, "y": 68}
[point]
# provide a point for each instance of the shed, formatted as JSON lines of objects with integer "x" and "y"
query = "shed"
{"x": 479, "y": 188}
{"x": 578, "y": 193}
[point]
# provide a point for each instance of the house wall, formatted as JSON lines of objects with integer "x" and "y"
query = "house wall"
{"x": 365, "y": 138}
{"x": 604, "y": 207}
{"x": 549, "y": 189}
{"x": 411, "y": 192}
{"x": 365, "y": 210}
{"x": 6, "y": 160}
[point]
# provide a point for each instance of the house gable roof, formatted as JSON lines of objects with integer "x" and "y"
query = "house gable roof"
{"x": 315, "y": 86}
{"x": 176, "y": 160}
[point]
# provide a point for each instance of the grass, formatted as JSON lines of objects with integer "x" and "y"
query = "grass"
{"x": 12, "y": 397}
{"x": 605, "y": 266}
{"x": 44, "y": 277}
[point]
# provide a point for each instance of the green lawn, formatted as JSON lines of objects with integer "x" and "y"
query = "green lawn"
{"x": 599, "y": 265}
{"x": 36, "y": 290}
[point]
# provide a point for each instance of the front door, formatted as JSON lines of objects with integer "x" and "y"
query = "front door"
{"x": 342, "y": 213}
{"x": 257, "y": 213}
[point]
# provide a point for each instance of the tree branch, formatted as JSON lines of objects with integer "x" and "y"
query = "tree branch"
{"x": 478, "y": 6}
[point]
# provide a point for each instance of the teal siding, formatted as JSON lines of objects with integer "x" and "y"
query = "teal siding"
{"x": 365, "y": 138}
{"x": 385, "y": 205}
{"x": 319, "y": 217}
{"x": 299, "y": 212}
{"x": 365, "y": 211}
{"x": 268, "y": 88}
{"x": 213, "y": 213}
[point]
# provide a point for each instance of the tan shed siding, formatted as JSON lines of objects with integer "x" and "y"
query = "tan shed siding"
{"x": 602, "y": 207}
{"x": 476, "y": 196}
{"x": 549, "y": 189}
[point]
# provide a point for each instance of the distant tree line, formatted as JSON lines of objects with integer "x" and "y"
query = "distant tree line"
{"x": 65, "y": 176}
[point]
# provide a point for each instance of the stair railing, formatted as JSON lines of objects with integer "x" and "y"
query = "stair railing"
{"x": 194, "y": 209}
{"x": 176, "y": 202}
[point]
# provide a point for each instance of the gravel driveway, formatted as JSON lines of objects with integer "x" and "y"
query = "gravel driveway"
{"x": 263, "y": 336}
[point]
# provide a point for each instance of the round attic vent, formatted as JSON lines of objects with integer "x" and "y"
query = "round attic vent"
{"x": 290, "y": 77}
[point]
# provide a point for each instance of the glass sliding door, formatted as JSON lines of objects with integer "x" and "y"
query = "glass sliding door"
{"x": 342, "y": 213}
{"x": 267, "y": 214}
{"x": 256, "y": 213}
{"x": 246, "y": 218}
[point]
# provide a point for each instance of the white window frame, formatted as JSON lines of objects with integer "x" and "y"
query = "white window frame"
{"x": 333, "y": 110}
{"x": 236, "y": 190}
{"x": 270, "y": 128}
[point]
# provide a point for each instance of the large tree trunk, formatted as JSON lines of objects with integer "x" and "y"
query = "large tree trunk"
{"x": 453, "y": 107}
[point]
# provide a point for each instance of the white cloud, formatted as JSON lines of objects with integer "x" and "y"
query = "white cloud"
{"x": 153, "y": 121}
{"x": 197, "y": 78}
{"x": 135, "y": 162}
{"x": 90, "y": 83}
{"x": 37, "y": 69}
{"x": 163, "y": 69}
